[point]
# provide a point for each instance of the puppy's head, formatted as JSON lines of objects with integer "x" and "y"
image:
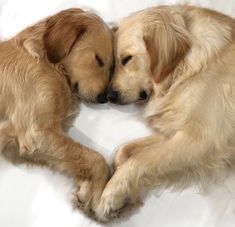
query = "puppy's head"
{"x": 82, "y": 42}
{"x": 148, "y": 47}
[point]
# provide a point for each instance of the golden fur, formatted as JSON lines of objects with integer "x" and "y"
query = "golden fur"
{"x": 44, "y": 71}
{"x": 183, "y": 58}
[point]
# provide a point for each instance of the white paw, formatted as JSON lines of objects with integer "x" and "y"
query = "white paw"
{"x": 116, "y": 206}
{"x": 109, "y": 206}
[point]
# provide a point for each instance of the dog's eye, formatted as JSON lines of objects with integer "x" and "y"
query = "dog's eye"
{"x": 126, "y": 59}
{"x": 99, "y": 60}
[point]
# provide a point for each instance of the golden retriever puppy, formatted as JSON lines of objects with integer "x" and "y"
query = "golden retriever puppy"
{"x": 45, "y": 71}
{"x": 180, "y": 61}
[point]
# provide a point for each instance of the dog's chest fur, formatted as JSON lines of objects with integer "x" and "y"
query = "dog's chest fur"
{"x": 200, "y": 96}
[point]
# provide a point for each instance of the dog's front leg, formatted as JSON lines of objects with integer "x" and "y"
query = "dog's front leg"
{"x": 184, "y": 156}
{"x": 128, "y": 150}
{"x": 88, "y": 168}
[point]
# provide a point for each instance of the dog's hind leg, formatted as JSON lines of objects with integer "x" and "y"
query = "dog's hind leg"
{"x": 8, "y": 146}
{"x": 6, "y": 135}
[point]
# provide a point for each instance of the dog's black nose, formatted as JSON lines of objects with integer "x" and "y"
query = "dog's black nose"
{"x": 112, "y": 96}
{"x": 143, "y": 95}
{"x": 102, "y": 98}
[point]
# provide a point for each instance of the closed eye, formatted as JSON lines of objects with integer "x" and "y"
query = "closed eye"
{"x": 99, "y": 60}
{"x": 126, "y": 59}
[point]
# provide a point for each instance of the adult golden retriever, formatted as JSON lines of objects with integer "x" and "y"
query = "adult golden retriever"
{"x": 45, "y": 71}
{"x": 181, "y": 60}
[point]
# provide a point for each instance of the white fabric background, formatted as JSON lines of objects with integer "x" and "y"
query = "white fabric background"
{"x": 36, "y": 197}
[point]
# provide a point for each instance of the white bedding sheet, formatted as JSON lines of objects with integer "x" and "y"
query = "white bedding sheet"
{"x": 36, "y": 197}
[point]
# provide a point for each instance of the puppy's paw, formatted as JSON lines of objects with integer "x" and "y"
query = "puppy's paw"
{"x": 122, "y": 155}
{"x": 89, "y": 191}
{"x": 112, "y": 207}
{"x": 82, "y": 196}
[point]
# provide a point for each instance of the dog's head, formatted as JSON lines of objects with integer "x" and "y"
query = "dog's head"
{"x": 81, "y": 42}
{"x": 148, "y": 47}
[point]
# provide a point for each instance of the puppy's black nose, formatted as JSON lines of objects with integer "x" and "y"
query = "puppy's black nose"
{"x": 143, "y": 95}
{"x": 102, "y": 98}
{"x": 112, "y": 96}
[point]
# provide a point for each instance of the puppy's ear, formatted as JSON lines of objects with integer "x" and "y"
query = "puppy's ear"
{"x": 167, "y": 42}
{"x": 62, "y": 31}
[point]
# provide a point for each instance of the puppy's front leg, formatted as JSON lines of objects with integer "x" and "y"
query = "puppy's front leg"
{"x": 130, "y": 149}
{"x": 88, "y": 168}
{"x": 184, "y": 156}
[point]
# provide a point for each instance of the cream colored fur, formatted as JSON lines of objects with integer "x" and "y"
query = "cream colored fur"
{"x": 191, "y": 105}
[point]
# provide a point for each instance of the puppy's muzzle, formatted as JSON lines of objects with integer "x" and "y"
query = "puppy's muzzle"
{"x": 102, "y": 98}
{"x": 113, "y": 96}
{"x": 143, "y": 95}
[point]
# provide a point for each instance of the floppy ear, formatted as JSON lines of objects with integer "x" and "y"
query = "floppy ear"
{"x": 167, "y": 42}
{"x": 62, "y": 31}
